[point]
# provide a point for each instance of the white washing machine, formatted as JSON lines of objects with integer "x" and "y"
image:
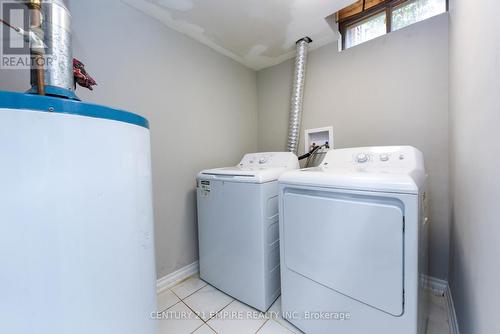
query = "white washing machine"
{"x": 354, "y": 243}
{"x": 238, "y": 227}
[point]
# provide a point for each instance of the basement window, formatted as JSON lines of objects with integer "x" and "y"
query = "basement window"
{"x": 364, "y": 30}
{"x": 368, "y": 19}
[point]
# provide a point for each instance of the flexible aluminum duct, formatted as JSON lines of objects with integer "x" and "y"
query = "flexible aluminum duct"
{"x": 298, "y": 95}
{"x": 56, "y": 26}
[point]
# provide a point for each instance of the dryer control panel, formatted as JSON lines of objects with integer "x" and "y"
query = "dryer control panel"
{"x": 386, "y": 156}
{"x": 382, "y": 158}
{"x": 270, "y": 160}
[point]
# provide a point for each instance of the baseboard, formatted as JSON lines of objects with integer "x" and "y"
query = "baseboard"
{"x": 452, "y": 316}
{"x": 436, "y": 285}
{"x": 441, "y": 288}
{"x": 177, "y": 276}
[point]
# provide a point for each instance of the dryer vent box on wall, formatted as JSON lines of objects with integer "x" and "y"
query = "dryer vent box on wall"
{"x": 319, "y": 136}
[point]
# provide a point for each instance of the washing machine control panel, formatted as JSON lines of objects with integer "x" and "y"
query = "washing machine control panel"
{"x": 269, "y": 160}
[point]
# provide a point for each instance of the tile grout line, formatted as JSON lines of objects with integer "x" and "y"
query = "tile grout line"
{"x": 165, "y": 290}
{"x": 194, "y": 312}
{"x": 222, "y": 309}
{"x": 265, "y": 322}
{"x": 215, "y": 313}
{"x": 280, "y": 324}
{"x": 211, "y": 328}
{"x": 202, "y": 326}
{"x": 203, "y": 321}
{"x": 232, "y": 301}
{"x": 180, "y": 301}
{"x": 190, "y": 293}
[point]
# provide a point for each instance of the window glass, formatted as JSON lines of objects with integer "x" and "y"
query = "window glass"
{"x": 365, "y": 30}
{"x": 414, "y": 11}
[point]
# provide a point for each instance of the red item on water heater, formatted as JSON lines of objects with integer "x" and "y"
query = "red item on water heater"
{"x": 81, "y": 76}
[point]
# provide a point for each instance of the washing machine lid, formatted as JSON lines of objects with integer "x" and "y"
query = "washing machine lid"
{"x": 238, "y": 174}
{"x": 255, "y": 168}
{"x": 398, "y": 169}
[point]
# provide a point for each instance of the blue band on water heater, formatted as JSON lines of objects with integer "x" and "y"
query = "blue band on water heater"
{"x": 55, "y": 91}
{"x": 13, "y": 100}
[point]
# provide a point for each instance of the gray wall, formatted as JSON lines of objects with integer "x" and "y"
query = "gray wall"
{"x": 202, "y": 107}
{"x": 389, "y": 91}
{"x": 474, "y": 164}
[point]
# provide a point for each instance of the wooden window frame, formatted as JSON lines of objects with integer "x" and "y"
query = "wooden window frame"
{"x": 387, "y": 6}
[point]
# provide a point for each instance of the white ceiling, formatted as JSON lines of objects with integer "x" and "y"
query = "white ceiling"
{"x": 256, "y": 33}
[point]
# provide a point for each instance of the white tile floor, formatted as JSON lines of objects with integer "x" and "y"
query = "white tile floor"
{"x": 193, "y": 306}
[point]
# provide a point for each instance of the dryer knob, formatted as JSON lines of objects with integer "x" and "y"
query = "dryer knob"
{"x": 362, "y": 158}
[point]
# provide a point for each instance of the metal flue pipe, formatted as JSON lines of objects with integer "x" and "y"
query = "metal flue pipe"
{"x": 58, "y": 69}
{"x": 298, "y": 95}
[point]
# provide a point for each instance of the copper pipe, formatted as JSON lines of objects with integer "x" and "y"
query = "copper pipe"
{"x": 40, "y": 74}
{"x": 36, "y": 12}
{"x": 35, "y": 7}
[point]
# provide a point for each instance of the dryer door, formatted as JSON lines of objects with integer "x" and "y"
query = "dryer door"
{"x": 348, "y": 243}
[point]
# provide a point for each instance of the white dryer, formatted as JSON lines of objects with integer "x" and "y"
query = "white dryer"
{"x": 238, "y": 227}
{"x": 353, "y": 242}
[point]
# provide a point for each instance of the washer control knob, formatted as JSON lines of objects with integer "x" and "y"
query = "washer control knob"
{"x": 384, "y": 157}
{"x": 362, "y": 158}
{"x": 263, "y": 160}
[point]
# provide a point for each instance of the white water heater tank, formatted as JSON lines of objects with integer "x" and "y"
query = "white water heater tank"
{"x": 76, "y": 219}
